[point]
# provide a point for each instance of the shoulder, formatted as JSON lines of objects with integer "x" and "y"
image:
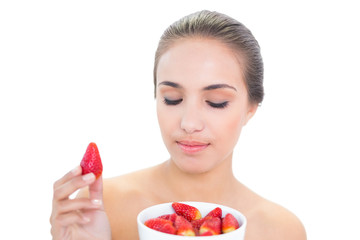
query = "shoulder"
{"x": 126, "y": 189}
{"x": 121, "y": 187}
{"x": 124, "y": 197}
{"x": 275, "y": 222}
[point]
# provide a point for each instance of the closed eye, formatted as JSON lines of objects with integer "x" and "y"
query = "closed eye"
{"x": 218, "y": 105}
{"x": 172, "y": 102}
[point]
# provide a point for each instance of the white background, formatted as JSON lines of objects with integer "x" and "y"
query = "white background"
{"x": 72, "y": 72}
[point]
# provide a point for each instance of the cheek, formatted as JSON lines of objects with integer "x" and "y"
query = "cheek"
{"x": 234, "y": 126}
{"x": 160, "y": 117}
{"x": 228, "y": 127}
{"x": 165, "y": 120}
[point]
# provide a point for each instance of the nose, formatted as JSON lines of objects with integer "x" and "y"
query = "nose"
{"x": 191, "y": 120}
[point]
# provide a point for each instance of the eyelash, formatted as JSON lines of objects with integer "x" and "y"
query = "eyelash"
{"x": 218, "y": 105}
{"x": 211, "y": 104}
{"x": 172, "y": 102}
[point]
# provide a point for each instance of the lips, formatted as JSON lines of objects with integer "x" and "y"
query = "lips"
{"x": 192, "y": 146}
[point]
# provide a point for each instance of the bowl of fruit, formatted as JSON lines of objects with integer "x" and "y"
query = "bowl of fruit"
{"x": 186, "y": 220}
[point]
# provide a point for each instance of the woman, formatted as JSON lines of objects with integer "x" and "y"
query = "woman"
{"x": 208, "y": 79}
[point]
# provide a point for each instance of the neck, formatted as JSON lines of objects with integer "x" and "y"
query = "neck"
{"x": 215, "y": 185}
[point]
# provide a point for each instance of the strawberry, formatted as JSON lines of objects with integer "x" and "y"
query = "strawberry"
{"x": 216, "y": 212}
{"x": 196, "y": 232}
{"x": 208, "y": 233}
{"x": 198, "y": 222}
{"x": 188, "y": 212}
{"x": 229, "y": 223}
{"x": 183, "y": 227}
{"x": 161, "y": 225}
{"x": 91, "y": 161}
{"x": 212, "y": 225}
{"x": 171, "y": 217}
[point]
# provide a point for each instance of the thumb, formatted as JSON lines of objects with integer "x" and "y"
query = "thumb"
{"x": 96, "y": 191}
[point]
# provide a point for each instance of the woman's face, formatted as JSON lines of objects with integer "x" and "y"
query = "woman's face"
{"x": 202, "y": 103}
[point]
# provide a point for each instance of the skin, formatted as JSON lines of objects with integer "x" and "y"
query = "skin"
{"x": 195, "y": 74}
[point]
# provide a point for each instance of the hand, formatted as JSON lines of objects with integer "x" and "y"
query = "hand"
{"x": 79, "y": 218}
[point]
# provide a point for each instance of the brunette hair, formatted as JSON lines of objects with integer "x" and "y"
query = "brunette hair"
{"x": 218, "y": 26}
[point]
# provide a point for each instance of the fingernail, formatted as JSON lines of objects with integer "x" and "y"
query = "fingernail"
{"x": 88, "y": 177}
{"x": 97, "y": 202}
{"x": 76, "y": 170}
{"x": 86, "y": 219}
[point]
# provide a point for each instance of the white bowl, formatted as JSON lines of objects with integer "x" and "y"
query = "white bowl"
{"x": 147, "y": 233}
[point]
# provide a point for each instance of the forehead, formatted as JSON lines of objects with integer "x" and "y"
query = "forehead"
{"x": 198, "y": 62}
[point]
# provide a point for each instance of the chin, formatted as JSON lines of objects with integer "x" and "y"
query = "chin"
{"x": 193, "y": 166}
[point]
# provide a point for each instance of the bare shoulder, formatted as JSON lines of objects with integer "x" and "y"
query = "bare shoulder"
{"x": 275, "y": 222}
{"x": 127, "y": 189}
{"x": 124, "y": 197}
{"x": 122, "y": 187}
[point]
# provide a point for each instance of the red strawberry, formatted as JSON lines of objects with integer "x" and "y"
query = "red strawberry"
{"x": 171, "y": 217}
{"x": 183, "y": 227}
{"x": 188, "y": 212}
{"x": 198, "y": 222}
{"x": 212, "y": 225}
{"x": 196, "y": 232}
{"x": 229, "y": 223}
{"x": 216, "y": 212}
{"x": 208, "y": 233}
{"x": 161, "y": 225}
{"x": 91, "y": 161}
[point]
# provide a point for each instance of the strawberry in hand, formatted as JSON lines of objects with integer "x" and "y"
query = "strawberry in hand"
{"x": 91, "y": 161}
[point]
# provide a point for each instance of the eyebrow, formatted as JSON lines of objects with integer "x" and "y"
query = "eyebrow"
{"x": 170, "y": 84}
{"x": 216, "y": 86}
{"x": 207, "y": 88}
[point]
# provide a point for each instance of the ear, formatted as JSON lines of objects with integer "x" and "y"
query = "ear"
{"x": 250, "y": 112}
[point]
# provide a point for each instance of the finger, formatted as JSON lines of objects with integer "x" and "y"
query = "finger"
{"x": 68, "y": 205}
{"x": 68, "y": 188}
{"x": 73, "y": 173}
{"x": 96, "y": 191}
{"x": 70, "y": 218}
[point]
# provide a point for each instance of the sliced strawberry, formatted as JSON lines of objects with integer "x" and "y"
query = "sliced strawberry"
{"x": 196, "y": 232}
{"x": 212, "y": 225}
{"x": 208, "y": 233}
{"x": 216, "y": 212}
{"x": 91, "y": 161}
{"x": 188, "y": 212}
{"x": 161, "y": 225}
{"x": 198, "y": 222}
{"x": 229, "y": 223}
{"x": 171, "y": 217}
{"x": 183, "y": 227}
